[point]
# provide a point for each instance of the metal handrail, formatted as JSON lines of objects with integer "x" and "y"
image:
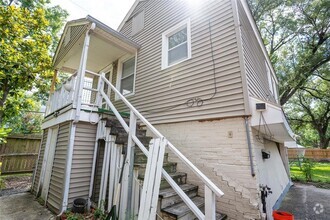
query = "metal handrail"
{"x": 185, "y": 160}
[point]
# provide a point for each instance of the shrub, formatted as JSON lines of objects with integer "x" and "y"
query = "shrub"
{"x": 307, "y": 168}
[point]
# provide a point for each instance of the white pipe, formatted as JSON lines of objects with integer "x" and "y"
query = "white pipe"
{"x": 68, "y": 168}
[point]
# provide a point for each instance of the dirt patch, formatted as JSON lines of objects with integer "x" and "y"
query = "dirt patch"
{"x": 16, "y": 184}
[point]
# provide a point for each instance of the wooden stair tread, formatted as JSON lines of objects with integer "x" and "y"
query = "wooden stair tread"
{"x": 180, "y": 209}
{"x": 168, "y": 192}
{"x": 164, "y": 164}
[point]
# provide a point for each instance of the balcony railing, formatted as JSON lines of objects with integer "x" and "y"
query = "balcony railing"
{"x": 66, "y": 93}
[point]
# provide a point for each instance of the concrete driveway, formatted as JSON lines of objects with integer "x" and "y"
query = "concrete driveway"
{"x": 307, "y": 202}
{"x": 23, "y": 206}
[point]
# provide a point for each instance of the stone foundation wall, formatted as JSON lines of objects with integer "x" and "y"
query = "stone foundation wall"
{"x": 219, "y": 149}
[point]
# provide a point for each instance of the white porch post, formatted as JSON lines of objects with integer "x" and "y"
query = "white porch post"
{"x": 81, "y": 72}
{"x": 68, "y": 168}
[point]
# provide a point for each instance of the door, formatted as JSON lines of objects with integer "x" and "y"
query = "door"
{"x": 48, "y": 161}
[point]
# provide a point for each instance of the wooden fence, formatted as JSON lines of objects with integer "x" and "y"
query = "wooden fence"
{"x": 20, "y": 153}
{"x": 311, "y": 153}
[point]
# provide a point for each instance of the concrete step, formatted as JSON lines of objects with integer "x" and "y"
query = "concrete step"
{"x": 179, "y": 177}
{"x": 169, "y": 197}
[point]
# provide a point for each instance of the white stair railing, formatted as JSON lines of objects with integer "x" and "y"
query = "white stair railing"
{"x": 211, "y": 190}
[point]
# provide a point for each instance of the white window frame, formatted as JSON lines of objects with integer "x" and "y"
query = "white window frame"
{"x": 271, "y": 82}
{"x": 170, "y": 32}
{"x": 122, "y": 60}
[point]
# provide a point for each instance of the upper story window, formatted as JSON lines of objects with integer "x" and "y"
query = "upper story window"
{"x": 126, "y": 75}
{"x": 176, "y": 44}
{"x": 271, "y": 83}
{"x": 138, "y": 23}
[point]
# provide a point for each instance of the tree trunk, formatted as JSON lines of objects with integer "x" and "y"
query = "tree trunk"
{"x": 324, "y": 141}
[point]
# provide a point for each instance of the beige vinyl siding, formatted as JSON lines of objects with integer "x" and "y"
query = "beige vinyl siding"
{"x": 161, "y": 95}
{"x": 254, "y": 60}
{"x": 82, "y": 160}
{"x": 56, "y": 186}
{"x": 127, "y": 27}
{"x": 39, "y": 162}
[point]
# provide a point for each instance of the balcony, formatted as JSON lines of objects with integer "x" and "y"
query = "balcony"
{"x": 86, "y": 49}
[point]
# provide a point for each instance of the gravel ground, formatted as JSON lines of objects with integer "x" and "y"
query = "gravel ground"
{"x": 16, "y": 184}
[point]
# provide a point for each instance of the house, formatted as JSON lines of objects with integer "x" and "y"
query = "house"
{"x": 191, "y": 76}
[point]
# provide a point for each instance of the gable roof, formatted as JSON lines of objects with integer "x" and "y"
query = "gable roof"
{"x": 81, "y": 26}
{"x": 129, "y": 13}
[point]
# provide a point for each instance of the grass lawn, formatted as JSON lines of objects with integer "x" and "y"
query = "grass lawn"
{"x": 320, "y": 173}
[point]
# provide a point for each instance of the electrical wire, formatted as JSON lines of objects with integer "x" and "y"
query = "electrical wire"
{"x": 266, "y": 130}
{"x": 196, "y": 101}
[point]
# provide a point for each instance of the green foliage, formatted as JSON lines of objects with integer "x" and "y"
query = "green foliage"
{"x": 296, "y": 34}
{"x": 309, "y": 113}
{"x": 25, "y": 54}
{"x": 307, "y": 168}
{"x": 297, "y": 37}
{"x": 99, "y": 212}
{"x": 320, "y": 172}
{"x": 22, "y": 115}
{"x": 3, "y": 134}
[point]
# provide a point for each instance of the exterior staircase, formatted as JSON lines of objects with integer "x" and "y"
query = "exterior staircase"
{"x": 170, "y": 205}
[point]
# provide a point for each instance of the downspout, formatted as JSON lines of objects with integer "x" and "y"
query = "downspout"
{"x": 247, "y": 130}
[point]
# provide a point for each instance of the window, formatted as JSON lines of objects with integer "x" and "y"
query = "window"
{"x": 271, "y": 83}
{"x": 137, "y": 23}
{"x": 176, "y": 44}
{"x": 126, "y": 75}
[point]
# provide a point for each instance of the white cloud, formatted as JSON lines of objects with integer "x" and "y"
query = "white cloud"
{"x": 110, "y": 12}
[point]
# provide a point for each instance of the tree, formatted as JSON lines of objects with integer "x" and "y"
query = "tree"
{"x": 23, "y": 113}
{"x": 296, "y": 34}
{"x": 25, "y": 54}
{"x": 310, "y": 110}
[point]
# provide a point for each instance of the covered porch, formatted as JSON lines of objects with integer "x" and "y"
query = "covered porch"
{"x": 87, "y": 49}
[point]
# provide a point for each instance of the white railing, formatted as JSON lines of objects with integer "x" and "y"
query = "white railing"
{"x": 62, "y": 96}
{"x": 211, "y": 190}
{"x": 65, "y": 95}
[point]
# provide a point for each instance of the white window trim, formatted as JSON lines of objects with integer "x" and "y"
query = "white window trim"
{"x": 120, "y": 71}
{"x": 166, "y": 34}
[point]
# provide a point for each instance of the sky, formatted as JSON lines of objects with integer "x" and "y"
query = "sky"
{"x": 110, "y": 12}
